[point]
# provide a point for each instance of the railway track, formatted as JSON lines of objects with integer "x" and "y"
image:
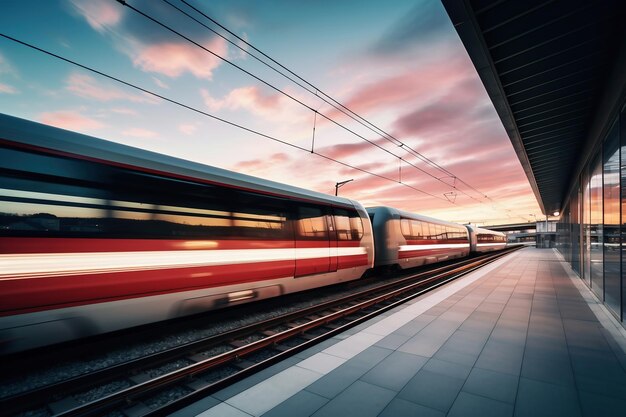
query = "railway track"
{"x": 199, "y": 368}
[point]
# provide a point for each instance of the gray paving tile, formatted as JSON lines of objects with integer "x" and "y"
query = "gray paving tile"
{"x": 454, "y": 370}
{"x": 594, "y": 404}
{"x": 501, "y": 357}
{"x": 331, "y": 384}
{"x": 576, "y": 311}
{"x": 480, "y": 322}
{"x": 549, "y": 369}
{"x": 307, "y": 353}
{"x": 469, "y": 405}
{"x": 414, "y": 326}
{"x": 601, "y": 386}
{"x": 432, "y": 390}
{"x": 596, "y": 364}
{"x": 545, "y": 347}
{"x": 359, "y": 399}
{"x": 455, "y": 316}
{"x": 302, "y": 404}
{"x": 393, "y": 341}
{"x": 585, "y": 334}
{"x": 254, "y": 379}
{"x": 265, "y": 395}
{"x": 467, "y": 341}
{"x": 491, "y": 307}
{"x": 537, "y": 399}
{"x": 436, "y": 310}
{"x": 223, "y": 410}
{"x": 495, "y": 385}
{"x": 430, "y": 339}
{"x": 395, "y": 370}
{"x": 197, "y": 407}
{"x": 402, "y": 408}
{"x": 508, "y": 333}
{"x": 455, "y": 354}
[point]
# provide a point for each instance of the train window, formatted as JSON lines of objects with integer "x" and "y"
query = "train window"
{"x": 427, "y": 230}
{"x": 311, "y": 223}
{"x": 348, "y": 225}
{"x": 128, "y": 204}
{"x": 416, "y": 229}
{"x": 356, "y": 227}
{"x": 342, "y": 225}
{"x": 405, "y": 226}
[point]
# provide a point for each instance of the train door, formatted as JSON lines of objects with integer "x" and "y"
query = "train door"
{"x": 334, "y": 250}
{"x": 312, "y": 235}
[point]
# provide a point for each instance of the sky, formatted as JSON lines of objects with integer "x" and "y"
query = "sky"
{"x": 426, "y": 139}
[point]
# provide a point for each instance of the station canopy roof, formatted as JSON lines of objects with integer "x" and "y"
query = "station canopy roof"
{"x": 543, "y": 63}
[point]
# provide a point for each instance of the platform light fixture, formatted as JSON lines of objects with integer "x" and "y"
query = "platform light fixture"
{"x": 341, "y": 184}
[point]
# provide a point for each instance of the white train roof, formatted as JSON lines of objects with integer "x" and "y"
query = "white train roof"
{"x": 477, "y": 230}
{"x": 44, "y": 136}
{"x": 410, "y": 215}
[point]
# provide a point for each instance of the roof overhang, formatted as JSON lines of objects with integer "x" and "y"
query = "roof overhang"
{"x": 543, "y": 64}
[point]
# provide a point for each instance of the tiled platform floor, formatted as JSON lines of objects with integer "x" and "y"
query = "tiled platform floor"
{"x": 514, "y": 339}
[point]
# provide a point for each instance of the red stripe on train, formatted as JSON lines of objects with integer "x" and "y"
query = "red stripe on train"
{"x": 46, "y": 293}
{"x": 430, "y": 252}
{"x": 15, "y": 245}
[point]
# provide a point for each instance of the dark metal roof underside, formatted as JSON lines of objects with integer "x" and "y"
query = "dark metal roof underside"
{"x": 543, "y": 64}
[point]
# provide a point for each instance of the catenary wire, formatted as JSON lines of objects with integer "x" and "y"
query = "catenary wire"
{"x": 316, "y": 91}
{"x": 206, "y": 114}
{"x": 319, "y": 94}
{"x": 125, "y": 3}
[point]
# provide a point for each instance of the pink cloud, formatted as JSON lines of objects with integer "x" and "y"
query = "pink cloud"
{"x": 173, "y": 59}
{"x": 138, "y": 132}
{"x": 418, "y": 82}
{"x": 188, "y": 128}
{"x": 99, "y": 14}
{"x": 124, "y": 110}
{"x": 160, "y": 83}
{"x": 7, "y": 89}
{"x": 70, "y": 120}
{"x": 249, "y": 98}
{"x": 261, "y": 164}
{"x": 88, "y": 87}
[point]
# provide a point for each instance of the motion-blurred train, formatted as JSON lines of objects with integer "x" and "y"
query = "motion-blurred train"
{"x": 96, "y": 236}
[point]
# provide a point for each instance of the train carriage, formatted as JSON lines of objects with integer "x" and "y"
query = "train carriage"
{"x": 406, "y": 240}
{"x": 96, "y": 236}
{"x": 485, "y": 240}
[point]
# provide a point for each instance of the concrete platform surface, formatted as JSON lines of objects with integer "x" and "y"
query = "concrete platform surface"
{"x": 520, "y": 337}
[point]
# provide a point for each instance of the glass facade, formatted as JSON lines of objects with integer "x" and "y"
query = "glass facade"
{"x": 592, "y": 229}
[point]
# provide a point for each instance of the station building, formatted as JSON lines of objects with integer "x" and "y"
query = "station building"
{"x": 556, "y": 74}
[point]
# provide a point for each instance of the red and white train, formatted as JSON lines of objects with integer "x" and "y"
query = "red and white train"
{"x": 96, "y": 236}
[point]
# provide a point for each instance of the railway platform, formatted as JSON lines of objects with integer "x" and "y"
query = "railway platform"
{"x": 519, "y": 337}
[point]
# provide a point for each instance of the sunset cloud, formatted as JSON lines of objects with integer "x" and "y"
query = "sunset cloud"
{"x": 174, "y": 59}
{"x": 86, "y": 86}
{"x": 261, "y": 164}
{"x": 188, "y": 128}
{"x": 160, "y": 83}
{"x": 7, "y": 89}
{"x": 70, "y": 120}
{"x": 6, "y": 67}
{"x": 249, "y": 98}
{"x": 99, "y": 14}
{"x": 124, "y": 110}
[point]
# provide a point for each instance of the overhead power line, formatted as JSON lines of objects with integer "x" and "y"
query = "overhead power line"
{"x": 314, "y": 90}
{"x": 291, "y": 97}
{"x": 206, "y": 114}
